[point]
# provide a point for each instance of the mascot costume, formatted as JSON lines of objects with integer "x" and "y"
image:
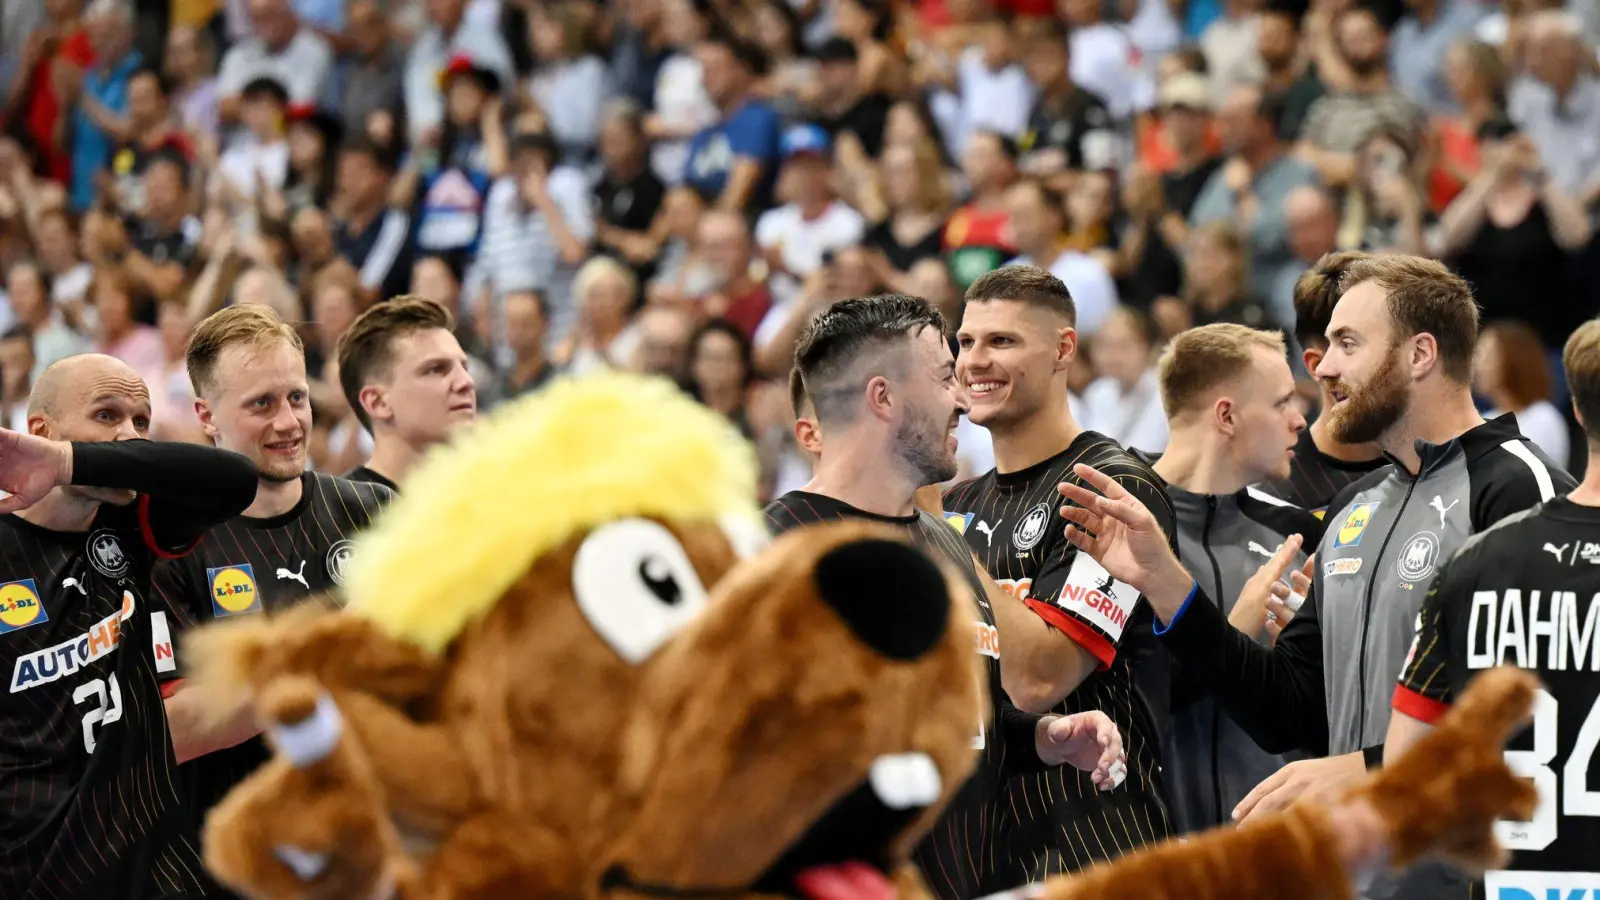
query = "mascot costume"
{"x": 568, "y": 668}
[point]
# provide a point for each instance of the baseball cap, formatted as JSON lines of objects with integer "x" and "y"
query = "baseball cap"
{"x": 805, "y": 138}
{"x": 1188, "y": 90}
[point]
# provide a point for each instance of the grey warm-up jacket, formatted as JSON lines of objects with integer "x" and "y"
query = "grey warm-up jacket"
{"x": 1326, "y": 685}
{"x": 1210, "y": 762}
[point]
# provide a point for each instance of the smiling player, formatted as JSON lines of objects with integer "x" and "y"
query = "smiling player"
{"x": 1073, "y": 637}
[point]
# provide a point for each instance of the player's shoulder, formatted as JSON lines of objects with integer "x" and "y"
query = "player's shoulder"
{"x": 788, "y": 512}
{"x": 966, "y": 493}
{"x": 1280, "y": 515}
{"x": 1356, "y": 492}
{"x": 1507, "y": 541}
{"x": 339, "y": 492}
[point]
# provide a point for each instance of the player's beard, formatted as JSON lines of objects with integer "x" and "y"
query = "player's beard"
{"x": 281, "y": 471}
{"x": 923, "y": 442}
{"x": 1373, "y": 408}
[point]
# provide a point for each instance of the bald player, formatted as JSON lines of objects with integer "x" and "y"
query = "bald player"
{"x": 86, "y": 759}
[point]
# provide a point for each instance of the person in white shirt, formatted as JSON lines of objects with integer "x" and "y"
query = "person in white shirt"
{"x": 1038, "y": 230}
{"x": 994, "y": 89}
{"x": 261, "y": 153}
{"x": 1509, "y": 369}
{"x": 450, "y": 33}
{"x": 1103, "y": 61}
{"x": 279, "y": 49}
{"x": 1124, "y": 403}
{"x": 797, "y": 236}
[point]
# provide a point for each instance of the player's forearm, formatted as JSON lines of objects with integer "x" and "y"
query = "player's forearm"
{"x": 197, "y": 729}
{"x": 1038, "y": 664}
{"x": 214, "y": 483}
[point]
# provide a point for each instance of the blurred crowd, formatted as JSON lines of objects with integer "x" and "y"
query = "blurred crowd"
{"x": 676, "y": 186}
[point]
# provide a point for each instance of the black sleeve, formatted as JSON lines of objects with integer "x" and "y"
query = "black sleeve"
{"x": 1274, "y": 694}
{"x": 184, "y": 488}
{"x": 1018, "y": 730}
{"x": 1506, "y": 481}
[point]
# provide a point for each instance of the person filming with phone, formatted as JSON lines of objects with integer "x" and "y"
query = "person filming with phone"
{"x": 1386, "y": 209}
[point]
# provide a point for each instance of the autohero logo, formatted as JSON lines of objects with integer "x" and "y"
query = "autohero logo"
{"x": 67, "y": 657}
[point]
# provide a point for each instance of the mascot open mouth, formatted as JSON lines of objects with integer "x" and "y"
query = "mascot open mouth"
{"x": 826, "y": 863}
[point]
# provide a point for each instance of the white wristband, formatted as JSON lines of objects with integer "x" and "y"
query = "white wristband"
{"x": 312, "y": 740}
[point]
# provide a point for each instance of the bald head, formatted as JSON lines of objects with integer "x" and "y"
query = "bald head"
{"x": 1313, "y": 222}
{"x": 89, "y": 397}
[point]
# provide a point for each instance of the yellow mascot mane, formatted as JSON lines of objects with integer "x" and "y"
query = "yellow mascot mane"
{"x": 537, "y": 472}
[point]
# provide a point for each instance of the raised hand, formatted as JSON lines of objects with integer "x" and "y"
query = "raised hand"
{"x": 1088, "y": 742}
{"x": 30, "y": 466}
{"x": 1111, "y": 525}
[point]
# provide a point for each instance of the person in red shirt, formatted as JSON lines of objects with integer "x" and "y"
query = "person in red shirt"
{"x": 977, "y": 239}
{"x": 54, "y": 61}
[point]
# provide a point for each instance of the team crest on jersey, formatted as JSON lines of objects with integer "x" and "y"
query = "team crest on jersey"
{"x": 105, "y": 554}
{"x": 20, "y": 606}
{"x": 233, "y": 590}
{"x": 1418, "y": 556}
{"x": 1031, "y": 528}
{"x": 958, "y": 521}
{"x": 338, "y": 559}
{"x": 1354, "y": 525}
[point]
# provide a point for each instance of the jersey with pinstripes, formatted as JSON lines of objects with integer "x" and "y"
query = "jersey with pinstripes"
{"x": 1011, "y": 521}
{"x": 248, "y": 566}
{"x": 958, "y": 856}
{"x": 89, "y": 793}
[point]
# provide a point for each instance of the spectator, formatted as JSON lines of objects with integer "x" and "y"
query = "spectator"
{"x": 53, "y": 339}
{"x": 1103, "y": 59}
{"x": 145, "y": 132}
{"x": 1418, "y": 48}
{"x": 842, "y": 105}
{"x": 454, "y": 181}
{"x": 1289, "y": 77}
{"x": 1251, "y": 186}
{"x": 723, "y": 283}
{"x": 374, "y": 74}
{"x": 1035, "y": 214}
{"x": 1509, "y": 370}
{"x": 1186, "y": 120}
{"x": 67, "y": 272}
{"x": 640, "y": 46}
{"x": 1230, "y": 45}
{"x": 16, "y": 379}
{"x": 993, "y": 92}
{"x": 795, "y": 236}
{"x": 278, "y": 49}
{"x": 910, "y": 216}
{"x": 335, "y": 304}
{"x": 450, "y": 34}
{"x": 720, "y": 371}
{"x": 189, "y": 65}
{"x": 681, "y": 106}
{"x": 976, "y": 239}
{"x": 1216, "y": 289}
{"x": 627, "y": 196}
{"x": 369, "y": 234}
{"x": 118, "y": 332}
{"x": 50, "y": 75}
{"x": 1313, "y": 230}
{"x": 732, "y": 163}
{"x": 259, "y": 156}
{"x": 172, "y": 397}
{"x": 530, "y": 367}
{"x": 1069, "y": 128}
{"x": 664, "y": 335}
{"x": 1556, "y": 102}
{"x": 104, "y": 98}
{"x": 1478, "y": 81}
{"x": 1512, "y": 234}
{"x": 1385, "y": 210}
{"x": 791, "y": 84}
{"x": 604, "y": 337}
{"x": 1124, "y": 403}
{"x": 1338, "y": 123}
{"x": 539, "y": 226}
{"x": 314, "y": 137}
{"x": 868, "y": 24}
{"x": 569, "y": 85}
{"x": 165, "y": 239}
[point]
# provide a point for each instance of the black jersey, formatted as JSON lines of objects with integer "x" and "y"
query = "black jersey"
{"x": 362, "y": 473}
{"x": 1010, "y": 520}
{"x": 247, "y": 566}
{"x": 1315, "y": 477}
{"x": 963, "y": 856}
{"x": 1527, "y": 593}
{"x": 88, "y": 780}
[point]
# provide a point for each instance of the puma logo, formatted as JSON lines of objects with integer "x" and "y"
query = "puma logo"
{"x": 1557, "y": 552}
{"x": 73, "y": 583}
{"x": 285, "y": 574}
{"x": 988, "y": 532}
{"x": 1257, "y": 548}
{"x": 1438, "y": 504}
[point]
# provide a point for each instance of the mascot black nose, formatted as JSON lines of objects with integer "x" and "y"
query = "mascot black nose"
{"x": 890, "y": 594}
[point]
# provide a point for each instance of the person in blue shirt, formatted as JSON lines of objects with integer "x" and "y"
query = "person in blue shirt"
{"x": 734, "y": 162}
{"x": 104, "y": 99}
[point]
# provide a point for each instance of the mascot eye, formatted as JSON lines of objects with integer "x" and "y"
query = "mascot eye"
{"x": 636, "y": 586}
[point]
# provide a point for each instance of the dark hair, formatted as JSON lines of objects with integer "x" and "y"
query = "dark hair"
{"x": 1028, "y": 285}
{"x": 366, "y": 350}
{"x": 360, "y": 144}
{"x": 1271, "y": 108}
{"x": 17, "y": 331}
{"x": 163, "y": 83}
{"x": 1008, "y": 145}
{"x": 272, "y": 88}
{"x": 834, "y": 49}
{"x": 740, "y": 340}
{"x": 170, "y": 156}
{"x": 1315, "y": 294}
{"x": 46, "y": 281}
{"x": 748, "y": 55}
{"x": 850, "y": 331}
{"x": 1424, "y": 296}
{"x": 797, "y": 391}
{"x": 1286, "y": 9}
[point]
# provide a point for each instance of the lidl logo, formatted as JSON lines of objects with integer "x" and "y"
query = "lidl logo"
{"x": 20, "y": 606}
{"x": 233, "y": 590}
{"x": 959, "y": 521}
{"x": 1354, "y": 525}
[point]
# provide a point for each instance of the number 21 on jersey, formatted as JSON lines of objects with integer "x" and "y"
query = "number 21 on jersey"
{"x": 1570, "y": 789}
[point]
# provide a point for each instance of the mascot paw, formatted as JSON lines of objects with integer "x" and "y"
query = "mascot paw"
{"x": 310, "y": 824}
{"x": 1443, "y": 796}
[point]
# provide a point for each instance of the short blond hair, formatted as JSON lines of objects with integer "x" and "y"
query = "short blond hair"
{"x": 247, "y": 324}
{"x": 1199, "y": 360}
{"x": 1581, "y": 359}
